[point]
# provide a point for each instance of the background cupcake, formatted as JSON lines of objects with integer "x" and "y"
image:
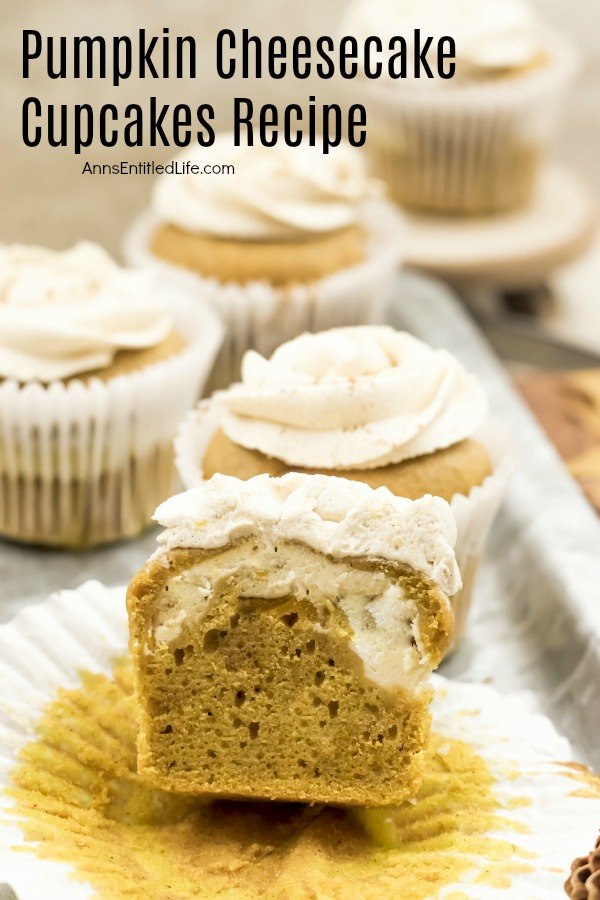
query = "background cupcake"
{"x": 471, "y": 144}
{"x": 366, "y": 403}
{"x": 97, "y": 366}
{"x": 290, "y": 240}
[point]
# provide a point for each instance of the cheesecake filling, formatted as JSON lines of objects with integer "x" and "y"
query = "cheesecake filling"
{"x": 382, "y": 621}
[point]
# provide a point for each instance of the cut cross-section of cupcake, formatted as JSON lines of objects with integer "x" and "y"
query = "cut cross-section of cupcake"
{"x": 283, "y": 636}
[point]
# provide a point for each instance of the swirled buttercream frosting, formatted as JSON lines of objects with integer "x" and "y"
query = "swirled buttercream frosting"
{"x": 489, "y": 35}
{"x": 334, "y": 516}
{"x": 273, "y": 193}
{"x": 65, "y": 313}
{"x": 348, "y": 398}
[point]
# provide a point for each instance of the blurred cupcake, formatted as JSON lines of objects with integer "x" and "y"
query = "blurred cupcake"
{"x": 471, "y": 144}
{"x": 291, "y": 240}
{"x": 96, "y": 369}
{"x": 367, "y": 403}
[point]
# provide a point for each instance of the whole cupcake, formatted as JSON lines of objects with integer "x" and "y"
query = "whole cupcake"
{"x": 287, "y": 240}
{"x": 471, "y": 144}
{"x": 97, "y": 366}
{"x": 367, "y": 403}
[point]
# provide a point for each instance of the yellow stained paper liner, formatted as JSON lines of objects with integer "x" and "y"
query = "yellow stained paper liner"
{"x": 79, "y": 800}
{"x": 497, "y": 812}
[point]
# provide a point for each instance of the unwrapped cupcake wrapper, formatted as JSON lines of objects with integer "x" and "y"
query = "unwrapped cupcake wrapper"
{"x": 474, "y": 513}
{"x": 466, "y": 149}
{"x": 261, "y": 316}
{"x": 46, "y": 649}
{"x": 84, "y": 463}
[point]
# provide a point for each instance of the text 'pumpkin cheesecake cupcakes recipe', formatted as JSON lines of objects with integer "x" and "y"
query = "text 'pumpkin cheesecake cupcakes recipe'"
{"x": 471, "y": 144}
{"x": 367, "y": 403}
{"x": 281, "y": 620}
{"x": 97, "y": 366}
{"x": 287, "y": 240}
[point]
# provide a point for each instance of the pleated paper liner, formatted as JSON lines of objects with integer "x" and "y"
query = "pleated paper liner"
{"x": 498, "y": 811}
{"x": 260, "y": 316}
{"x": 86, "y": 462}
{"x": 466, "y": 148}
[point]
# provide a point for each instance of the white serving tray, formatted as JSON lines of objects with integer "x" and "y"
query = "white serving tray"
{"x": 515, "y": 248}
{"x": 535, "y": 622}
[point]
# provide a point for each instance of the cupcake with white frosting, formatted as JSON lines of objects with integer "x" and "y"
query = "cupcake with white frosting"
{"x": 367, "y": 403}
{"x": 97, "y": 366}
{"x": 324, "y": 603}
{"x": 290, "y": 240}
{"x": 471, "y": 144}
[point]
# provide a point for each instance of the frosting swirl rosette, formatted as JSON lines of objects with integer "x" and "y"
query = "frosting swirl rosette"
{"x": 64, "y": 313}
{"x": 490, "y": 35}
{"x": 274, "y": 193}
{"x": 352, "y": 398}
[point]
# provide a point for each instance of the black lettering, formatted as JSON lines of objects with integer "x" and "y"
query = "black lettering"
{"x": 301, "y": 54}
{"x": 397, "y": 67}
{"x": 165, "y": 48}
{"x": 57, "y": 132}
{"x": 108, "y": 110}
{"x": 331, "y": 137}
{"x": 190, "y": 43}
{"x": 146, "y": 55}
{"x": 34, "y": 104}
{"x": 348, "y": 52}
{"x": 370, "y": 71}
{"x": 133, "y": 133}
{"x": 242, "y": 115}
{"x": 157, "y": 117}
{"x": 30, "y": 52}
{"x": 221, "y": 70}
{"x": 277, "y": 71}
{"x": 357, "y": 125}
{"x": 121, "y": 67}
{"x": 83, "y": 113}
{"x": 421, "y": 54}
{"x": 60, "y": 70}
{"x": 251, "y": 39}
{"x": 292, "y": 139}
{"x": 268, "y": 120}
{"x": 88, "y": 43}
{"x": 446, "y": 55}
{"x": 205, "y": 114}
{"x": 182, "y": 119}
{"x": 325, "y": 47}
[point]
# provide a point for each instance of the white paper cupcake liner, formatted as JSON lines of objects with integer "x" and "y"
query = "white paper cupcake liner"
{"x": 193, "y": 436}
{"x": 466, "y": 148}
{"x": 47, "y": 647}
{"x": 474, "y": 513}
{"x": 261, "y": 316}
{"x": 474, "y": 516}
{"x": 85, "y": 463}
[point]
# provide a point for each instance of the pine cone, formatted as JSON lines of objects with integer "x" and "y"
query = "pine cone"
{"x": 584, "y": 881}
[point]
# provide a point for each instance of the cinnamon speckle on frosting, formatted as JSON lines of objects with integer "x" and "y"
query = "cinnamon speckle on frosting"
{"x": 355, "y": 397}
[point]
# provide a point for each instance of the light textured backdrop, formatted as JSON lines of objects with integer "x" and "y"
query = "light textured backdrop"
{"x": 46, "y": 200}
